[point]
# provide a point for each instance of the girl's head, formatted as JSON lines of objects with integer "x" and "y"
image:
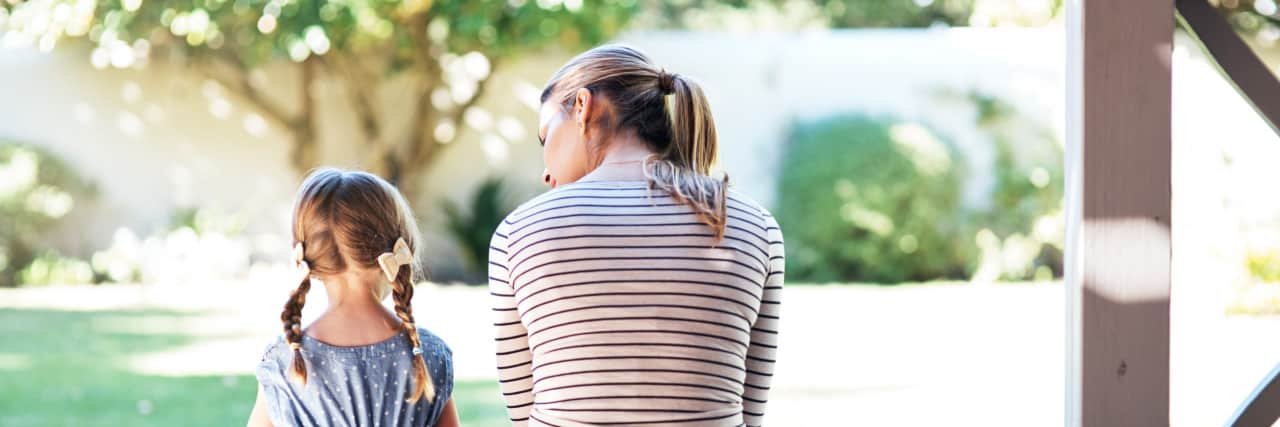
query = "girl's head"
{"x": 343, "y": 221}
{"x": 613, "y": 90}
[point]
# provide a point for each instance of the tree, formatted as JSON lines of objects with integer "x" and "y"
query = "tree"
{"x": 447, "y": 48}
{"x": 787, "y": 15}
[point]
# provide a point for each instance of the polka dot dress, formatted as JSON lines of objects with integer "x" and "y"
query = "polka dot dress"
{"x": 355, "y": 386}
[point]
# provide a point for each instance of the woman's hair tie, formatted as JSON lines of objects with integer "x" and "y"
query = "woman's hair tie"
{"x": 666, "y": 82}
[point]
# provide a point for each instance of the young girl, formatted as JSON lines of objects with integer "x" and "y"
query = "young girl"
{"x": 358, "y": 363}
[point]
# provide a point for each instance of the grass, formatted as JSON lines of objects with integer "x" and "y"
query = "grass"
{"x": 63, "y": 368}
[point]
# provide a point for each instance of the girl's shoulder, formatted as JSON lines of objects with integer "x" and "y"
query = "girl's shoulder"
{"x": 275, "y": 358}
{"x": 439, "y": 362}
{"x": 273, "y": 347}
{"x": 433, "y": 345}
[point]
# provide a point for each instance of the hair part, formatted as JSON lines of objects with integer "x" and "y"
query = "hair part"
{"x": 347, "y": 219}
{"x": 669, "y": 112}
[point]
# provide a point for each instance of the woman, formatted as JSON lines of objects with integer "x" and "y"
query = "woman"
{"x": 639, "y": 289}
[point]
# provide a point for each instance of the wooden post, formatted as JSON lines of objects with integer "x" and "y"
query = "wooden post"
{"x": 1117, "y": 211}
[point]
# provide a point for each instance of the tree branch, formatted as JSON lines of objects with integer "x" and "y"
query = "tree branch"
{"x": 423, "y": 120}
{"x": 304, "y": 155}
{"x": 362, "y": 92}
{"x": 425, "y": 149}
{"x": 243, "y": 87}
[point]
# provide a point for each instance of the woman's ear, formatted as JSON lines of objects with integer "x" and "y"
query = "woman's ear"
{"x": 583, "y": 109}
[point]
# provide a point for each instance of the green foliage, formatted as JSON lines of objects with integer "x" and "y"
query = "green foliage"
{"x": 36, "y": 192}
{"x": 874, "y": 200}
{"x": 1264, "y": 265}
{"x": 878, "y": 200}
{"x": 897, "y": 13}
{"x": 1256, "y": 18}
{"x": 50, "y": 268}
{"x": 474, "y": 228}
{"x": 257, "y": 31}
{"x": 790, "y": 15}
{"x": 1027, "y": 195}
{"x": 204, "y": 221}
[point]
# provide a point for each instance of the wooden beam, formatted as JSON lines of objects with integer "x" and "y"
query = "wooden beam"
{"x": 1117, "y": 211}
{"x": 1235, "y": 59}
{"x": 1260, "y": 409}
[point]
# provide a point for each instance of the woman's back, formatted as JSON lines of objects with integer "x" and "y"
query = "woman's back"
{"x": 616, "y": 304}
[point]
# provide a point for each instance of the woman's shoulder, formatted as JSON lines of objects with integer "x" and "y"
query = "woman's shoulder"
{"x": 746, "y": 204}
{"x": 579, "y": 192}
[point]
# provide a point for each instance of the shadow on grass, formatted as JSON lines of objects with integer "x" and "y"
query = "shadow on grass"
{"x": 71, "y": 368}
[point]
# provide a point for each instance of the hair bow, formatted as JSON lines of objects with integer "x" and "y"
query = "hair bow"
{"x": 391, "y": 261}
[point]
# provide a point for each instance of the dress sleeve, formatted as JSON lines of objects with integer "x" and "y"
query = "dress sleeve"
{"x": 440, "y": 365}
{"x": 272, "y": 378}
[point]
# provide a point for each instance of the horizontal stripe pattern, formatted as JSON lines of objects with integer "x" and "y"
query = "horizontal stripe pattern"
{"x": 614, "y": 305}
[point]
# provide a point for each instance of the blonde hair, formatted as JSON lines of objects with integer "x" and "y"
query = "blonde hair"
{"x": 669, "y": 112}
{"x": 350, "y": 216}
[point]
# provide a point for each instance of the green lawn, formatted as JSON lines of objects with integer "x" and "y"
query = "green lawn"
{"x": 65, "y": 368}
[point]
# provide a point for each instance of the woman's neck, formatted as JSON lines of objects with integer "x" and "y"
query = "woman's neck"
{"x": 624, "y": 160}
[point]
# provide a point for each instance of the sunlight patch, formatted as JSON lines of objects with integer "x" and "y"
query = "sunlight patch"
{"x": 207, "y": 357}
{"x": 14, "y": 362}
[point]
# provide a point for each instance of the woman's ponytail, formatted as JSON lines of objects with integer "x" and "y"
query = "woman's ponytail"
{"x": 683, "y": 168}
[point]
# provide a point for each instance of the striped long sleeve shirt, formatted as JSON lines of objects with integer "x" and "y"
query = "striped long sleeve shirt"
{"x": 615, "y": 305}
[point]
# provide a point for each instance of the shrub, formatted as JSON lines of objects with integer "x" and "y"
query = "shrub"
{"x": 474, "y": 228}
{"x": 1024, "y": 215}
{"x": 198, "y": 245}
{"x": 878, "y": 200}
{"x": 37, "y": 190}
{"x": 1264, "y": 265}
{"x": 868, "y": 199}
{"x": 50, "y": 268}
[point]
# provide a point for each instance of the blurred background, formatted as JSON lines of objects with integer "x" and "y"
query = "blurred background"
{"x": 911, "y": 150}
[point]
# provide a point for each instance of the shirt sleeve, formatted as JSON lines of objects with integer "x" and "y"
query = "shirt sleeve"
{"x": 515, "y": 361}
{"x": 761, "y": 355}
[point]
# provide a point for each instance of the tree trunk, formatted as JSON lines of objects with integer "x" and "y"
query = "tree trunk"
{"x": 304, "y": 154}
